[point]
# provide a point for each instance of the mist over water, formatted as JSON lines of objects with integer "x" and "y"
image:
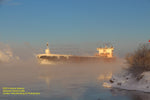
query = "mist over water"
{"x": 60, "y": 82}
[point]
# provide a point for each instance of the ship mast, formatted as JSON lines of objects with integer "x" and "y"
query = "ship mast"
{"x": 47, "y": 51}
{"x": 47, "y": 45}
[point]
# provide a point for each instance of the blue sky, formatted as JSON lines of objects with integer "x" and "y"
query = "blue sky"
{"x": 125, "y": 23}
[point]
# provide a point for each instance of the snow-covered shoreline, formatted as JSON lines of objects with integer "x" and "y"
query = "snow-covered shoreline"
{"x": 125, "y": 80}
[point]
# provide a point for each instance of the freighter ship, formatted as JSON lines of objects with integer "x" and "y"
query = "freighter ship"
{"x": 104, "y": 54}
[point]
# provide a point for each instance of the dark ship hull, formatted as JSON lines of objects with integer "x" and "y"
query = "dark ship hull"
{"x": 72, "y": 59}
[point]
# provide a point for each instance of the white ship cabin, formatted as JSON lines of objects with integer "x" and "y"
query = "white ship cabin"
{"x": 106, "y": 52}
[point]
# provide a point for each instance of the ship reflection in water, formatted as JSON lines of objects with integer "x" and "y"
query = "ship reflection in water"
{"x": 64, "y": 82}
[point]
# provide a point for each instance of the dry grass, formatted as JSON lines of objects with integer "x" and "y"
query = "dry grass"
{"x": 139, "y": 61}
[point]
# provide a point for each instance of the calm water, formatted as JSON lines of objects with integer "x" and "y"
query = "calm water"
{"x": 63, "y": 82}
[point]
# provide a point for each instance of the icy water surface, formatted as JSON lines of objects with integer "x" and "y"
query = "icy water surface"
{"x": 63, "y": 82}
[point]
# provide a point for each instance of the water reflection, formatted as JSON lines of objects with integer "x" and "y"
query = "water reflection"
{"x": 46, "y": 79}
{"x": 64, "y": 82}
{"x": 133, "y": 95}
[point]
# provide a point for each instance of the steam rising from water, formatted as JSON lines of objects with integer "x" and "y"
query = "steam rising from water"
{"x": 101, "y": 71}
{"x": 71, "y": 80}
{"x": 6, "y": 54}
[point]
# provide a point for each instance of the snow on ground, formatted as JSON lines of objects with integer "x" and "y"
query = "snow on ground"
{"x": 125, "y": 80}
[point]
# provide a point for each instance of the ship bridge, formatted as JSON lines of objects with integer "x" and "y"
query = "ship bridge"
{"x": 106, "y": 52}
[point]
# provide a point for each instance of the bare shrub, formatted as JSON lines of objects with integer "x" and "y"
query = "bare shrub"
{"x": 139, "y": 61}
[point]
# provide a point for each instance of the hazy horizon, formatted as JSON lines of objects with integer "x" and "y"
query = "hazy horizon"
{"x": 79, "y": 24}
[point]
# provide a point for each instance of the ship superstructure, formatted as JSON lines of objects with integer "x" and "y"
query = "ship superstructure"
{"x": 105, "y": 53}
